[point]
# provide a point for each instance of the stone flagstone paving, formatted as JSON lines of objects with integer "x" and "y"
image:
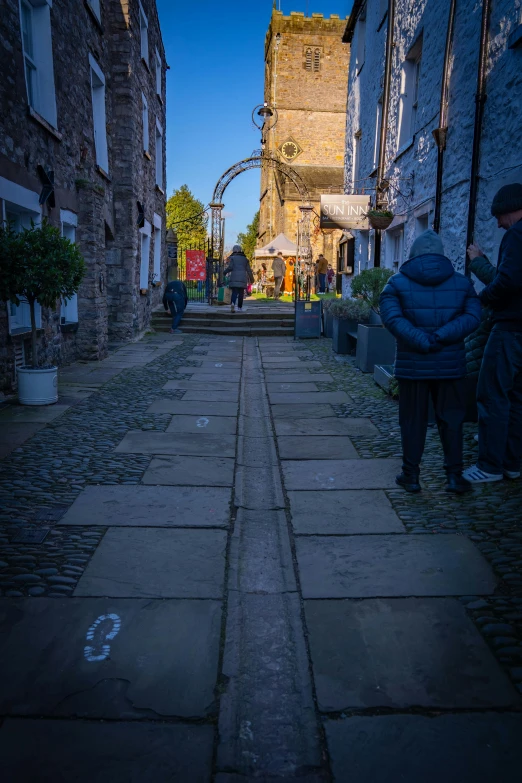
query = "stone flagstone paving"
{"x": 230, "y": 587}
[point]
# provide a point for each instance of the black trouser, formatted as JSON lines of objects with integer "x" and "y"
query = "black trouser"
{"x": 449, "y": 402}
{"x": 500, "y": 403}
{"x": 237, "y": 296}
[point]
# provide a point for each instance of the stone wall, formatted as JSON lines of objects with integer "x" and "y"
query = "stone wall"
{"x": 311, "y": 108}
{"x": 104, "y": 203}
{"x": 411, "y": 170}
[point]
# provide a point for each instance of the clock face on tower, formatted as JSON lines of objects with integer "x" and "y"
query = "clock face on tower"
{"x": 290, "y": 149}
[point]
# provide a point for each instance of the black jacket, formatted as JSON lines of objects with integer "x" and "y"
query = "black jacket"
{"x": 504, "y": 293}
{"x": 175, "y": 291}
{"x": 430, "y": 309}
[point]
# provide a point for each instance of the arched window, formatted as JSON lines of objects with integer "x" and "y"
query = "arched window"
{"x": 317, "y": 60}
{"x": 308, "y": 60}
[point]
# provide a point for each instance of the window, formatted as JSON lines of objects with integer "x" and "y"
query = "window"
{"x": 317, "y": 60}
{"x": 361, "y": 44}
{"x": 395, "y": 248}
{"x": 159, "y": 73}
{"x": 159, "y": 155}
{"x": 308, "y": 59}
{"x": 95, "y": 8}
{"x": 356, "y": 158}
{"x": 378, "y": 123}
{"x": 144, "y": 35}
{"x": 409, "y": 97}
{"x": 145, "y": 255}
{"x": 145, "y": 121}
{"x": 98, "y": 114}
{"x": 157, "y": 249}
{"x": 364, "y": 241}
{"x": 69, "y": 307}
{"x": 35, "y": 24}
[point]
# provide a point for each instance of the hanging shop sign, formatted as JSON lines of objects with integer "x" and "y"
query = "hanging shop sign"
{"x": 196, "y": 265}
{"x": 345, "y": 212}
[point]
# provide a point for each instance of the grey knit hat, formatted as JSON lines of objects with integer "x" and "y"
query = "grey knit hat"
{"x": 508, "y": 199}
{"x": 237, "y": 249}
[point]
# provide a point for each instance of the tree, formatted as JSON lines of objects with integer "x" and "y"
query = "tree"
{"x": 185, "y": 214}
{"x": 369, "y": 284}
{"x": 248, "y": 240}
{"x": 38, "y": 264}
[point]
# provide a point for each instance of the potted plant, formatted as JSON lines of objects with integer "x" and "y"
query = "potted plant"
{"x": 375, "y": 344}
{"x": 38, "y": 264}
{"x": 346, "y": 315}
{"x": 379, "y": 218}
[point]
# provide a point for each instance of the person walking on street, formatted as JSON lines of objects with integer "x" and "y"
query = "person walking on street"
{"x": 321, "y": 268}
{"x": 279, "y": 270}
{"x": 175, "y": 299}
{"x": 499, "y": 393}
{"x": 430, "y": 309}
{"x": 240, "y": 276}
{"x": 330, "y": 277}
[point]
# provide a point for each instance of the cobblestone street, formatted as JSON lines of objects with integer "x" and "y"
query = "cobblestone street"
{"x": 207, "y": 573}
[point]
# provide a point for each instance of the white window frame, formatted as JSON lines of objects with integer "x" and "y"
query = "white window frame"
{"x": 363, "y": 248}
{"x": 144, "y": 35}
{"x": 409, "y": 96}
{"x": 361, "y": 44}
{"x": 159, "y": 154}
{"x": 38, "y": 63}
{"x": 16, "y": 199}
{"x": 378, "y": 125}
{"x": 156, "y": 220}
{"x": 69, "y": 307}
{"x": 99, "y": 115}
{"x": 422, "y": 223}
{"x": 356, "y": 167}
{"x": 145, "y": 234}
{"x": 159, "y": 75}
{"x": 95, "y": 7}
{"x": 415, "y": 96}
{"x": 395, "y": 248}
{"x": 145, "y": 121}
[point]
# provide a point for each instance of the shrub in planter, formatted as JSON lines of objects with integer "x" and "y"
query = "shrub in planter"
{"x": 38, "y": 264}
{"x": 369, "y": 285}
{"x": 346, "y": 315}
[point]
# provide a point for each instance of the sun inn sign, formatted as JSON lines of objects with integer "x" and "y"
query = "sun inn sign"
{"x": 345, "y": 212}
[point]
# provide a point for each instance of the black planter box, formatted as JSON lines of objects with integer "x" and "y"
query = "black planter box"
{"x": 327, "y": 324}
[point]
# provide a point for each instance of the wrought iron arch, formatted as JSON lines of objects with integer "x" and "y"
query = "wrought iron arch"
{"x": 258, "y": 159}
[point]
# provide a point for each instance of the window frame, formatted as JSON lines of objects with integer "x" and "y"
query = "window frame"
{"x": 95, "y": 6}
{"x": 145, "y": 237}
{"x": 409, "y": 95}
{"x": 395, "y": 247}
{"x": 145, "y": 123}
{"x": 158, "y": 149}
{"x": 159, "y": 75}
{"x": 378, "y": 126}
{"x": 356, "y": 163}
{"x": 309, "y": 59}
{"x": 69, "y": 307}
{"x": 360, "y": 56}
{"x": 35, "y": 20}
{"x": 144, "y": 35}
{"x": 99, "y": 114}
{"x": 156, "y": 264}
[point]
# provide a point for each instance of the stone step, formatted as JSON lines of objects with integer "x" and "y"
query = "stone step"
{"x": 225, "y": 314}
{"x": 235, "y": 330}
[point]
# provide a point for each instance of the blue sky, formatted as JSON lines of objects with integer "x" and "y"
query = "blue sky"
{"x": 216, "y": 57}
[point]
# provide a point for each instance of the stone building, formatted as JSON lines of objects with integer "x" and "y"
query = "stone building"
{"x": 83, "y": 102}
{"x": 407, "y": 181}
{"x": 306, "y": 72}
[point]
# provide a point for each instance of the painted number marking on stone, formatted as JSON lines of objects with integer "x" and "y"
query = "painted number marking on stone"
{"x": 202, "y": 422}
{"x": 219, "y": 364}
{"x": 98, "y": 651}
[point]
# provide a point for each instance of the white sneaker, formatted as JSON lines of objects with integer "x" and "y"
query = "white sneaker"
{"x": 240, "y": 309}
{"x": 511, "y": 474}
{"x": 477, "y": 476}
{"x": 232, "y": 309}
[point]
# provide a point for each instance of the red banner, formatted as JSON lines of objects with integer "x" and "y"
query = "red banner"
{"x": 196, "y": 265}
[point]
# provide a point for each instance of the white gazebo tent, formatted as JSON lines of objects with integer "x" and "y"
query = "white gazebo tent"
{"x": 281, "y": 244}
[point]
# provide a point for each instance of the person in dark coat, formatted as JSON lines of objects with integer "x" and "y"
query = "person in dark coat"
{"x": 241, "y": 276}
{"x": 175, "y": 299}
{"x": 430, "y": 309}
{"x": 499, "y": 393}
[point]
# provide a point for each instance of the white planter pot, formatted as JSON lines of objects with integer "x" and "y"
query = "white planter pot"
{"x": 37, "y": 387}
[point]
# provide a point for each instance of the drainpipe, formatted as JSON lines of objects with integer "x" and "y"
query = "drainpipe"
{"x": 440, "y": 133}
{"x": 381, "y": 183}
{"x": 480, "y": 100}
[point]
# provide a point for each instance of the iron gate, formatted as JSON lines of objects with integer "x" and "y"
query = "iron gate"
{"x": 195, "y": 267}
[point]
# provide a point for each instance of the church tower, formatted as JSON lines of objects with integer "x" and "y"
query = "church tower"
{"x": 306, "y": 80}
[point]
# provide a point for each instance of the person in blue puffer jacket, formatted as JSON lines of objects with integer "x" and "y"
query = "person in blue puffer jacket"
{"x": 430, "y": 308}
